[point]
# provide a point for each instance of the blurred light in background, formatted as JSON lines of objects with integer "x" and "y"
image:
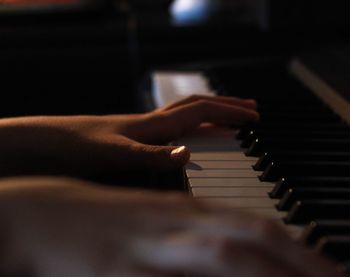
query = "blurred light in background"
{"x": 35, "y": 2}
{"x": 190, "y": 12}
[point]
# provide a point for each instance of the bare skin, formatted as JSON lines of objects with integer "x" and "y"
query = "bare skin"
{"x": 65, "y": 227}
{"x": 93, "y": 145}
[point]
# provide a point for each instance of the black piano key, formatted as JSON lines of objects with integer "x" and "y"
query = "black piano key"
{"x": 301, "y": 108}
{"x": 257, "y": 148}
{"x": 304, "y": 117}
{"x": 289, "y": 182}
{"x": 296, "y": 127}
{"x": 271, "y": 115}
{"x": 288, "y": 134}
{"x": 294, "y": 100}
{"x": 306, "y": 211}
{"x": 321, "y": 228}
{"x": 298, "y": 194}
{"x": 272, "y": 173}
{"x": 335, "y": 247}
{"x": 264, "y": 160}
{"x": 275, "y": 171}
{"x": 269, "y": 157}
{"x": 288, "y": 119}
{"x": 248, "y": 140}
{"x": 285, "y": 119}
{"x": 260, "y": 146}
{"x": 275, "y": 100}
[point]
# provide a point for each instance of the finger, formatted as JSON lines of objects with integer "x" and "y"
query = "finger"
{"x": 113, "y": 155}
{"x": 213, "y": 112}
{"x": 245, "y": 103}
{"x": 175, "y": 123}
{"x": 160, "y": 157}
{"x": 181, "y": 120}
{"x": 165, "y": 126}
{"x": 120, "y": 154}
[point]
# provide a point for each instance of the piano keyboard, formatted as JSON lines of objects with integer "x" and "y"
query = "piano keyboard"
{"x": 293, "y": 167}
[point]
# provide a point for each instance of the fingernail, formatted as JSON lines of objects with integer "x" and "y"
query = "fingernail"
{"x": 179, "y": 153}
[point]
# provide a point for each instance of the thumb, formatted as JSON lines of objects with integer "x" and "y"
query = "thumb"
{"x": 163, "y": 157}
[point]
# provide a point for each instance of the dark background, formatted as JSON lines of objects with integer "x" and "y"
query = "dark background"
{"x": 91, "y": 59}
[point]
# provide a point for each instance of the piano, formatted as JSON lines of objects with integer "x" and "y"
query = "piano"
{"x": 293, "y": 167}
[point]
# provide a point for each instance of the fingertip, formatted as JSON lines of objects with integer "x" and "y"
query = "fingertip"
{"x": 257, "y": 117}
{"x": 180, "y": 155}
{"x": 252, "y": 102}
{"x": 250, "y": 116}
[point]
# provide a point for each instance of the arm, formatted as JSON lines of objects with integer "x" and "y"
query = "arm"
{"x": 95, "y": 145}
{"x": 65, "y": 227}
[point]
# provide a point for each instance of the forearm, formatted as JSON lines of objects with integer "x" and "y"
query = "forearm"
{"x": 5, "y": 241}
{"x": 19, "y": 198}
{"x": 10, "y": 261}
{"x": 31, "y": 146}
{"x": 23, "y": 229}
{"x": 43, "y": 220}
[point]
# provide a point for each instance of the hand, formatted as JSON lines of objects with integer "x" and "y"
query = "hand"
{"x": 169, "y": 123}
{"x": 108, "y": 145}
{"x": 65, "y": 227}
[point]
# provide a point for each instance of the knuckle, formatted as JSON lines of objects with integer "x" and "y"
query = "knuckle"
{"x": 201, "y": 110}
{"x": 202, "y": 104}
{"x": 194, "y": 97}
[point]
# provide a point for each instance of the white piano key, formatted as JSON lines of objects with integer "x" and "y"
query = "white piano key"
{"x": 228, "y": 182}
{"x": 220, "y": 165}
{"x": 241, "y": 202}
{"x": 216, "y": 173}
{"x": 221, "y": 156}
{"x": 231, "y": 192}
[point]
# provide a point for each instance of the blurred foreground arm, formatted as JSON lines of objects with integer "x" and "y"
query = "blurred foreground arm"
{"x": 65, "y": 227}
